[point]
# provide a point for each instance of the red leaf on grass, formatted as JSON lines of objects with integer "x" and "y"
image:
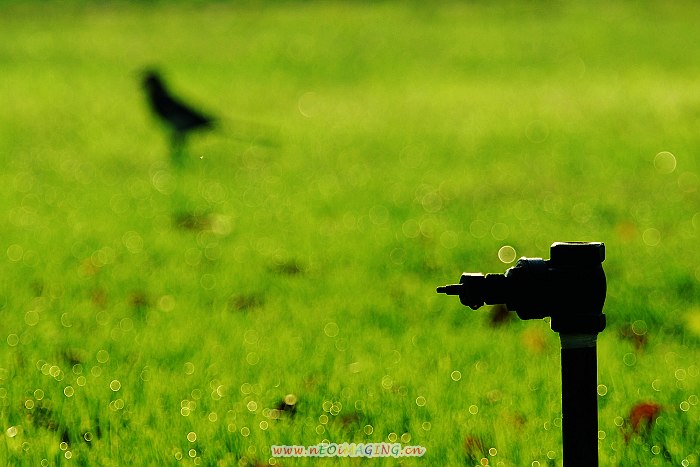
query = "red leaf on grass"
{"x": 642, "y": 417}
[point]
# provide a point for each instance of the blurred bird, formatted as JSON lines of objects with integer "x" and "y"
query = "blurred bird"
{"x": 180, "y": 118}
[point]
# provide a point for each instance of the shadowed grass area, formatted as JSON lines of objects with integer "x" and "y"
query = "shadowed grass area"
{"x": 367, "y": 152}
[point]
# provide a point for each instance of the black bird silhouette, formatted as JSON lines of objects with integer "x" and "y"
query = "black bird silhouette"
{"x": 180, "y": 118}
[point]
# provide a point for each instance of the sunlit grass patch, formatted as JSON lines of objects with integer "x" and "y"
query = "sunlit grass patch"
{"x": 278, "y": 287}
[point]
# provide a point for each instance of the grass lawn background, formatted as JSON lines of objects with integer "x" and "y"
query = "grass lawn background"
{"x": 366, "y": 153}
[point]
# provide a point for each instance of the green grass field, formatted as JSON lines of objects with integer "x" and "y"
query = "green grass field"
{"x": 366, "y": 153}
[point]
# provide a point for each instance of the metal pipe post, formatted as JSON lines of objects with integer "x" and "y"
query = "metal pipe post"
{"x": 579, "y": 400}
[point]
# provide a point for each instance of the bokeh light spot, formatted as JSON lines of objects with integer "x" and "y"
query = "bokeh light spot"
{"x": 164, "y": 182}
{"x": 639, "y": 327}
{"x": 308, "y": 104}
{"x": 581, "y": 213}
{"x": 651, "y": 237}
{"x": 665, "y": 162}
{"x": 411, "y": 228}
{"x": 103, "y": 356}
{"x": 31, "y": 318}
{"x": 133, "y": 242}
{"x": 15, "y": 253}
{"x": 507, "y": 254}
{"x": 413, "y": 155}
{"x": 208, "y": 281}
{"x": 252, "y": 358}
{"x": 250, "y": 336}
{"x": 387, "y": 382}
{"x": 331, "y": 329}
{"x": 166, "y": 303}
{"x": 12, "y": 340}
{"x": 397, "y": 255}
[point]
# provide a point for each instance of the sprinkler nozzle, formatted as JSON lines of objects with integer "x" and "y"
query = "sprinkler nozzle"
{"x": 570, "y": 288}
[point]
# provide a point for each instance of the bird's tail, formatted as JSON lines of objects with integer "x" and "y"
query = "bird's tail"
{"x": 247, "y": 131}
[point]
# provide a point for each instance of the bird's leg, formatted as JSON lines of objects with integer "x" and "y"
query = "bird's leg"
{"x": 177, "y": 148}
